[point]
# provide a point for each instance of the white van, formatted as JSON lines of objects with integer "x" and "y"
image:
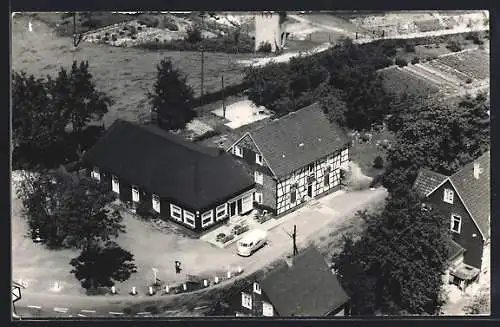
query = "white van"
{"x": 251, "y": 242}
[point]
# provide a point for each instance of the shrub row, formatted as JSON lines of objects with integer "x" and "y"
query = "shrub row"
{"x": 225, "y": 45}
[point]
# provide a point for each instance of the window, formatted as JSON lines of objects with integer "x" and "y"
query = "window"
{"x": 448, "y": 195}
{"x": 189, "y": 218}
{"x": 259, "y": 178}
{"x": 258, "y": 197}
{"x": 267, "y": 309}
{"x": 256, "y": 288}
{"x": 326, "y": 179}
{"x": 115, "y": 185}
{"x": 310, "y": 168}
{"x": 221, "y": 211}
{"x": 246, "y": 300}
{"x": 135, "y": 193}
{"x": 293, "y": 193}
{"x": 258, "y": 159}
{"x": 207, "y": 218}
{"x": 156, "y": 203}
{"x": 345, "y": 155}
{"x": 456, "y": 223}
{"x": 238, "y": 151}
{"x": 175, "y": 212}
{"x": 95, "y": 174}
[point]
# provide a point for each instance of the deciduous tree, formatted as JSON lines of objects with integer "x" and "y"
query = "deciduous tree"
{"x": 397, "y": 264}
{"x": 102, "y": 266}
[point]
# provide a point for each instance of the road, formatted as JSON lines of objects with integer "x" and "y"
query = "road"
{"x": 328, "y": 220}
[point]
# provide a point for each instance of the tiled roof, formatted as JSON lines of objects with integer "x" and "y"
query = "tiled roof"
{"x": 427, "y": 181}
{"x": 297, "y": 139}
{"x": 169, "y": 166}
{"x": 475, "y": 192}
{"x": 307, "y": 288}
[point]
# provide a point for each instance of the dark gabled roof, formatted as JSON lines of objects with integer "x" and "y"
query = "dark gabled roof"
{"x": 475, "y": 192}
{"x": 427, "y": 181}
{"x": 168, "y": 166}
{"x": 454, "y": 249}
{"x": 308, "y": 288}
{"x": 297, "y": 139}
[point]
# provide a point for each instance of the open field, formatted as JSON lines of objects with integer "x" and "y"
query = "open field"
{"x": 124, "y": 73}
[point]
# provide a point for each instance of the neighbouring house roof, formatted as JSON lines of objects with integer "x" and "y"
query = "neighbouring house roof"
{"x": 297, "y": 139}
{"x": 475, "y": 192}
{"x": 307, "y": 288}
{"x": 427, "y": 181}
{"x": 169, "y": 166}
{"x": 454, "y": 249}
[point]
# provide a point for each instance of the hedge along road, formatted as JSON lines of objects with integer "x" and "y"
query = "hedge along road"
{"x": 331, "y": 213}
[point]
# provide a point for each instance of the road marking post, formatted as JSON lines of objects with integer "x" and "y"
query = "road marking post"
{"x": 61, "y": 310}
{"x": 229, "y": 274}
{"x": 115, "y": 313}
{"x": 133, "y": 291}
{"x": 151, "y": 292}
{"x": 240, "y": 270}
{"x": 145, "y": 313}
{"x": 184, "y": 287}
{"x": 87, "y": 311}
{"x": 216, "y": 280}
{"x": 167, "y": 289}
{"x": 113, "y": 290}
{"x": 80, "y": 315}
{"x": 205, "y": 283}
{"x": 34, "y": 307}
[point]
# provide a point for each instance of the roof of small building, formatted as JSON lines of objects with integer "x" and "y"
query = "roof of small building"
{"x": 454, "y": 249}
{"x": 475, "y": 192}
{"x": 169, "y": 166}
{"x": 307, "y": 288}
{"x": 298, "y": 139}
{"x": 427, "y": 181}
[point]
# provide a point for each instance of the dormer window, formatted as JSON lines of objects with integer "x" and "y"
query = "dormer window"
{"x": 310, "y": 168}
{"x": 256, "y": 288}
{"x": 95, "y": 174}
{"x": 448, "y": 195}
{"x": 258, "y": 159}
{"x": 238, "y": 151}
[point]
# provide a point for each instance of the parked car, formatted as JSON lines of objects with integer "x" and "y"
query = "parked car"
{"x": 254, "y": 240}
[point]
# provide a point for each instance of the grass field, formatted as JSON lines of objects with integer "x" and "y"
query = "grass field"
{"x": 123, "y": 73}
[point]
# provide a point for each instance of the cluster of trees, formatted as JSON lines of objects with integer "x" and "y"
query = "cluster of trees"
{"x": 439, "y": 136}
{"x": 396, "y": 266}
{"x": 51, "y": 116}
{"x": 69, "y": 211}
{"x": 344, "y": 75}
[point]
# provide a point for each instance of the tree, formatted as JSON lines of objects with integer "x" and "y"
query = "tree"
{"x": 397, "y": 264}
{"x": 480, "y": 303}
{"x": 171, "y": 98}
{"x": 439, "y": 137}
{"x": 68, "y": 210}
{"x": 75, "y": 95}
{"x": 334, "y": 107}
{"x": 102, "y": 266}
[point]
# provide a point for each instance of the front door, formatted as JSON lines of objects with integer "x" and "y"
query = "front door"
{"x": 310, "y": 190}
{"x": 240, "y": 206}
{"x": 232, "y": 209}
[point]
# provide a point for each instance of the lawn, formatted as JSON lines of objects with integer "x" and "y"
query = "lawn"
{"x": 364, "y": 153}
{"x": 123, "y": 73}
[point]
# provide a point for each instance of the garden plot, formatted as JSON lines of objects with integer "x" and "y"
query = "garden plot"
{"x": 474, "y": 63}
{"x": 242, "y": 113}
{"x": 399, "y": 81}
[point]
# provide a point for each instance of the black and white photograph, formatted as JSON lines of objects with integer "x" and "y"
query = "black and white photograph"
{"x": 250, "y": 164}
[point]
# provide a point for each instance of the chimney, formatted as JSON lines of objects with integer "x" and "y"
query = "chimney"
{"x": 289, "y": 261}
{"x": 477, "y": 170}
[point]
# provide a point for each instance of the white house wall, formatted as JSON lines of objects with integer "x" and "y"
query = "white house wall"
{"x": 300, "y": 179}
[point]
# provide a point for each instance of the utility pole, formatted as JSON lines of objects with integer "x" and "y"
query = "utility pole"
{"x": 223, "y": 99}
{"x": 294, "y": 235}
{"x": 202, "y": 14}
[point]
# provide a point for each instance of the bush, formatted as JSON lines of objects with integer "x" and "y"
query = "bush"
{"x": 106, "y": 33}
{"x": 134, "y": 37}
{"x": 134, "y": 30}
{"x": 143, "y": 210}
{"x": 468, "y": 80}
{"x": 206, "y": 135}
{"x": 171, "y": 26}
{"x": 378, "y": 162}
{"x": 105, "y": 39}
{"x": 410, "y": 47}
{"x": 98, "y": 36}
{"x": 415, "y": 60}
{"x": 220, "y": 237}
{"x": 227, "y": 238}
{"x": 265, "y": 47}
{"x": 454, "y": 45}
{"x": 193, "y": 35}
{"x": 377, "y": 180}
{"x": 149, "y": 21}
{"x": 238, "y": 229}
{"x": 114, "y": 37}
{"x": 122, "y": 33}
{"x": 401, "y": 62}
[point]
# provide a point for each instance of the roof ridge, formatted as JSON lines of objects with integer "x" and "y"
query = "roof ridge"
{"x": 282, "y": 117}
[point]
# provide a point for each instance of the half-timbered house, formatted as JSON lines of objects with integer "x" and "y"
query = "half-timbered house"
{"x": 464, "y": 200}
{"x": 294, "y": 158}
{"x": 194, "y": 186}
